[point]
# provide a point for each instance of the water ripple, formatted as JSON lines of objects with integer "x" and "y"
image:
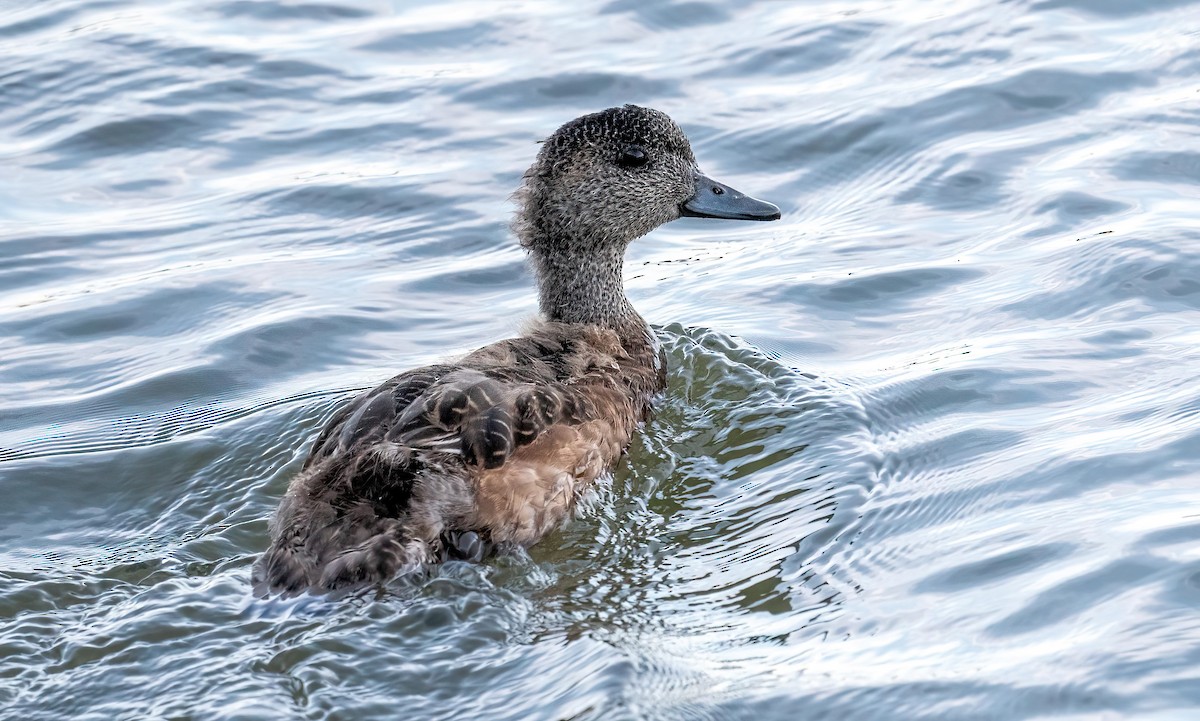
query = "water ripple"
{"x": 948, "y": 469}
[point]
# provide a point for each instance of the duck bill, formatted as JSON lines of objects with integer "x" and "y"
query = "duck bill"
{"x": 717, "y": 200}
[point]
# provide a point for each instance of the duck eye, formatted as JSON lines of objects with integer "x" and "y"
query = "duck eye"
{"x": 633, "y": 157}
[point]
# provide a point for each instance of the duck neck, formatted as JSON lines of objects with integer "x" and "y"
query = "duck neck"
{"x": 581, "y": 284}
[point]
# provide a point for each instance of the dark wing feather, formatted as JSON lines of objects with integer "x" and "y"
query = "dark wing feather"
{"x": 368, "y": 417}
{"x": 484, "y": 414}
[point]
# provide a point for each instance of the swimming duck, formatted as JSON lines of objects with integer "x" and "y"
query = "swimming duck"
{"x": 458, "y": 459}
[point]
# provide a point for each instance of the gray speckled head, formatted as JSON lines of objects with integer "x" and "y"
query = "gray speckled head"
{"x": 583, "y": 185}
{"x": 599, "y": 182}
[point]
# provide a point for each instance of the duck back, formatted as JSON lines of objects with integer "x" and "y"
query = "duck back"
{"x": 498, "y": 445}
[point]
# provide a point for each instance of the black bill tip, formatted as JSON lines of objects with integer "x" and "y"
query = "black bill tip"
{"x": 717, "y": 200}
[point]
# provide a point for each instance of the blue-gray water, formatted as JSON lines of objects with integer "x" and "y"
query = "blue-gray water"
{"x": 931, "y": 447}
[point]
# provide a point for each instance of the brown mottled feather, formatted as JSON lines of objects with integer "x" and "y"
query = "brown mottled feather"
{"x": 500, "y": 443}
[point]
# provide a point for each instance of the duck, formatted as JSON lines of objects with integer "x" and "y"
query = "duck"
{"x": 464, "y": 459}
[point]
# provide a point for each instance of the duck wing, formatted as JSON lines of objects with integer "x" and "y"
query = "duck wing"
{"x": 479, "y": 415}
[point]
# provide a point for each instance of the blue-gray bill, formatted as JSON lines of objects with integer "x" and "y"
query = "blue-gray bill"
{"x": 717, "y": 200}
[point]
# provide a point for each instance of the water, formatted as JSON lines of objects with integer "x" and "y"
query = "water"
{"x": 931, "y": 446}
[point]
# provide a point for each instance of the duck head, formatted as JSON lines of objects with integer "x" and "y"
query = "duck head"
{"x": 605, "y": 179}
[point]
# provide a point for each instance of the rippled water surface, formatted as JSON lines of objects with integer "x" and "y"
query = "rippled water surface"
{"x": 931, "y": 446}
